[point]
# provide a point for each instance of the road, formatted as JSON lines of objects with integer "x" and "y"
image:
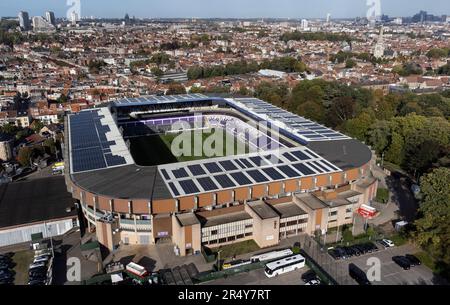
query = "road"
{"x": 400, "y": 185}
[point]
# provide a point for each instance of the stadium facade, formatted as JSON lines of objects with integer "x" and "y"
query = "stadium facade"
{"x": 303, "y": 177}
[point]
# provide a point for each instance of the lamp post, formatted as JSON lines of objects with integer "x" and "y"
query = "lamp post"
{"x": 49, "y": 230}
{"x": 218, "y": 260}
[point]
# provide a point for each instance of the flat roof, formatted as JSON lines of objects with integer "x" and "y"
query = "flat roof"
{"x": 223, "y": 219}
{"x": 288, "y": 209}
{"x": 262, "y": 209}
{"x": 36, "y": 200}
{"x": 311, "y": 201}
{"x": 187, "y": 219}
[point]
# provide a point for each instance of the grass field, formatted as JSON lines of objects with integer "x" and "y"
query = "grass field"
{"x": 228, "y": 251}
{"x": 156, "y": 149}
{"x": 22, "y": 259}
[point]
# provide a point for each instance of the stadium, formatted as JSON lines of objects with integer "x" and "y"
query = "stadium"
{"x": 249, "y": 170}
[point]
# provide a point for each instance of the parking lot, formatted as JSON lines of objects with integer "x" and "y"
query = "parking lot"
{"x": 391, "y": 273}
{"x": 257, "y": 277}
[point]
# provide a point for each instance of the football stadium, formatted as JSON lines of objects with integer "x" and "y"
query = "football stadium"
{"x": 202, "y": 170}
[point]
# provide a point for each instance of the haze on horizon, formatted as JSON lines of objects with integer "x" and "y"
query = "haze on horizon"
{"x": 225, "y": 9}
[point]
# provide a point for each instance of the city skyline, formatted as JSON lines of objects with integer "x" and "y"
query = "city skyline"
{"x": 232, "y": 9}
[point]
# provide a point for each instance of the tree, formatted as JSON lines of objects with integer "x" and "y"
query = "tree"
{"x": 24, "y": 156}
{"x": 350, "y": 63}
{"x": 312, "y": 110}
{"x": 433, "y": 225}
{"x": 378, "y": 136}
{"x": 176, "y": 89}
{"x": 157, "y": 72}
{"x": 395, "y": 152}
{"x": 359, "y": 126}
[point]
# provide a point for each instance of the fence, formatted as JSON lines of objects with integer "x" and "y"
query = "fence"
{"x": 209, "y": 276}
{"x": 335, "y": 271}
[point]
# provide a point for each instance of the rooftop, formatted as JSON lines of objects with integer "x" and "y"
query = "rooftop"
{"x": 263, "y": 210}
{"x": 187, "y": 219}
{"x": 33, "y": 201}
{"x": 288, "y": 209}
{"x": 311, "y": 201}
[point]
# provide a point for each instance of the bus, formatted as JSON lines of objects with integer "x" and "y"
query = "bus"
{"x": 270, "y": 256}
{"x": 284, "y": 265}
{"x": 236, "y": 263}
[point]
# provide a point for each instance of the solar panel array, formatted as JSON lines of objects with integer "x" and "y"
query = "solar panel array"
{"x": 216, "y": 174}
{"x": 95, "y": 141}
{"x": 157, "y": 99}
{"x": 301, "y": 127}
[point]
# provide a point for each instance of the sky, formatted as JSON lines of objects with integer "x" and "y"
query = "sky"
{"x": 225, "y": 8}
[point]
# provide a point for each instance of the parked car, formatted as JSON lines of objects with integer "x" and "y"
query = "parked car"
{"x": 309, "y": 276}
{"x": 358, "y": 275}
{"x": 334, "y": 253}
{"x": 41, "y": 259}
{"x": 342, "y": 253}
{"x": 313, "y": 282}
{"x": 371, "y": 246}
{"x": 402, "y": 262}
{"x": 36, "y": 282}
{"x": 413, "y": 260}
{"x": 37, "y": 265}
{"x": 7, "y": 281}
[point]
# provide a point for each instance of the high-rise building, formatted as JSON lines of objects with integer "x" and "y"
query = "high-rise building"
{"x": 50, "y": 17}
{"x": 447, "y": 19}
{"x": 328, "y": 17}
{"x": 304, "y": 24}
{"x": 41, "y": 24}
{"x": 24, "y": 21}
{"x": 74, "y": 18}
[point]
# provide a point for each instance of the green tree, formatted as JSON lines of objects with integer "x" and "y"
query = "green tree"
{"x": 359, "y": 126}
{"x": 24, "y": 156}
{"x": 395, "y": 152}
{"x": 176, "y": 89}
{"x": 433, "y": 225}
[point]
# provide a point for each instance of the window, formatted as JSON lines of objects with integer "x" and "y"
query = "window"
{"x": 248, "y": 226}
{"x": 240, "y": 236}
{"x": 282, "y": 224}
{"x": 332, "y": 213}
{"x": 214, "y": 232}
{"x": 231, "y": 238}
{"x": 222, "y": 240}
{"x": 348, "y": 210}
{"x": 248, "y": 234}
{"x": 275, "y": 224}
{"x": 214, "y": 241}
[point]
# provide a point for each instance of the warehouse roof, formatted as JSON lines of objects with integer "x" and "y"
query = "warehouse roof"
{"x": 33, "y": 201}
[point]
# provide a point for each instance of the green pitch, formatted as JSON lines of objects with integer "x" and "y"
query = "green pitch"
{"x": 157, "y": 149}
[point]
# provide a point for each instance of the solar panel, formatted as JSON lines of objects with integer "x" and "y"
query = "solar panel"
{"x": 257, "y": 176}
{"x": 319, "y": 170}
{"x": 241, "y": 178}
{"x": 288, "y": 171}
{"x": 241, "y": 165}
{"x": 303, "y": 169}
{"x": 212, "y": 167}
{"x": 300, "y": 155}
{"x": 258, "y": 161}
{"x": 165, "y": 174}
{"x": 189, "y": 186}
{"x": 290, "y": 157}
{"x": 228, "y": 165}
{"x": 320, "y": 166}
{"x": 180, "y": 173}
{"x": 174, "y": 189}
{"x": 246, "y": 163}
{"x": 273, "y": 173}
{"x": 273, "y": 159}
{"x": 207, "y": 184}
{"x": 224, "y": 181}
{"x": 196, "y": 170}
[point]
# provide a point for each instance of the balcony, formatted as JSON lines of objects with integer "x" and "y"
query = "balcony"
{"x": 138, "y": 225}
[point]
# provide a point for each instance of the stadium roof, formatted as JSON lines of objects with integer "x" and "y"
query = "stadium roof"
{"x": 101, "y": 162}
{"x": 157, "y": 99}
{"x": 193, "y": 177}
